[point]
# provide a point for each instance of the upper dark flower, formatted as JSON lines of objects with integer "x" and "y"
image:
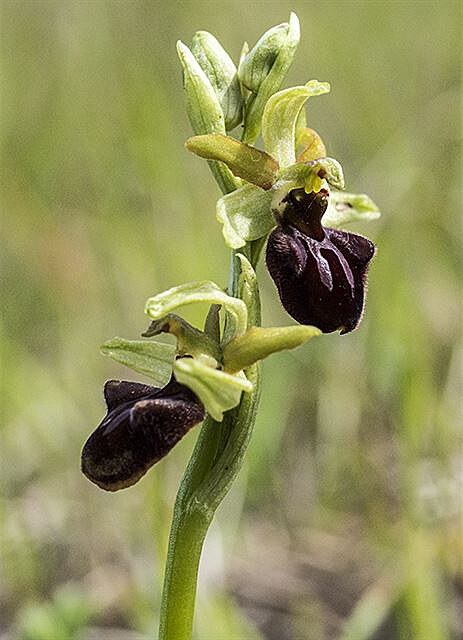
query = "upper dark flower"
{"x": 320, "y": 272}
{"x": 141, "y": 426}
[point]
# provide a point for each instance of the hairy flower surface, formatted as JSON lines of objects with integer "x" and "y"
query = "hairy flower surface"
{"x": 141, "y": 426}
{"x": 320, "y": 272}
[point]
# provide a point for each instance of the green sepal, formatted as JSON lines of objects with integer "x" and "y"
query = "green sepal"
{"x": 190, "y": 340}
{"x": 258, "y": 343}
{"x": 218, "y": 391}
{"x": 193, "y": 292}
{"x": 263, "y": 70}
{"x": 245, "y": 215}
{"x": 349, "y": 207}
{"x": 204, "y": 110}
{"x": 280, "y": 118}
{"x": 153, "y": 359}
{"x": 222, "y": 74}
{"x": 243, "y": 160}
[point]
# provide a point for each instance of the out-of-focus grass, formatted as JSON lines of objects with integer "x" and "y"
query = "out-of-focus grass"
{"x": 352, "y": 478}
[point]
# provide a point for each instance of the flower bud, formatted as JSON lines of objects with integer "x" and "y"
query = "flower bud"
{"x": 141, "y": 426}
{"x": 257, "y": 63}
{"x": 204, "y": 110}
{"x": 263, "y": 70}
{"x": 320, "y": 272}
{"x": 222, "y": 74}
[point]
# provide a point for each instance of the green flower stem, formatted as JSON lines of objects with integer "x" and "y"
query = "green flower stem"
{"x": 215, "y": 462}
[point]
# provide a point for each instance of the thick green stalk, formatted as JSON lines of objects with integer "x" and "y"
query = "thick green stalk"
{"x": 216, "y": 459}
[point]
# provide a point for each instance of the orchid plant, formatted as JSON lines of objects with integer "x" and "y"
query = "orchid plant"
{"x": 289, "y": 195}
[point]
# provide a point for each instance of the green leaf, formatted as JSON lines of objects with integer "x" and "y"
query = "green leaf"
{"x": 280, "y": 118}
{"x": 218, "y": 391}
{"x": 222, "y": 74}
{"x": 204, "y": 110}
{"x": 349, "y": 207}
{"x": 192, "y": 292}
{"x": 243, "y": 160}
{"x": 245, "y": 215}
{"x": 153, "y": 359}
{"x": 270, "y": 70}
{"x": 258, "y": 343}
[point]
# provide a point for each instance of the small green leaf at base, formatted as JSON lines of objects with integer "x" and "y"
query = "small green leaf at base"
{"x": 258, "y": 343}
{"x": 153, "y": 359}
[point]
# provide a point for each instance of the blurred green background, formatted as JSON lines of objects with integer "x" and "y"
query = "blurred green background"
{"x": 344, "y": 523}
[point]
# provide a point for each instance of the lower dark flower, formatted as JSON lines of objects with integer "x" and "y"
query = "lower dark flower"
{"x": 320, "y": 272}
{"x": 141, "y": 426}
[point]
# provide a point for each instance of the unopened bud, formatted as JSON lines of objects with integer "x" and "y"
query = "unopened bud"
{"x": 257, "y": 63}
{"x": 263, "y": 70}
{"x": 204, "y": 110}
{"x": 222, "y": 74}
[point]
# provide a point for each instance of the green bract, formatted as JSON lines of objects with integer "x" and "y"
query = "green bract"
{"x": 248, "y": 290}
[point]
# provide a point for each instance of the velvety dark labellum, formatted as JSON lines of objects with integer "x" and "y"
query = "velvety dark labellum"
{"x": 141, "y": 426}
{"x": 320, "y": 272}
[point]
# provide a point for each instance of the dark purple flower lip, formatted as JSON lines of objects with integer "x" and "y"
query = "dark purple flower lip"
{"x": 142, "y": 424}
{"x": 320, "y": 272}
